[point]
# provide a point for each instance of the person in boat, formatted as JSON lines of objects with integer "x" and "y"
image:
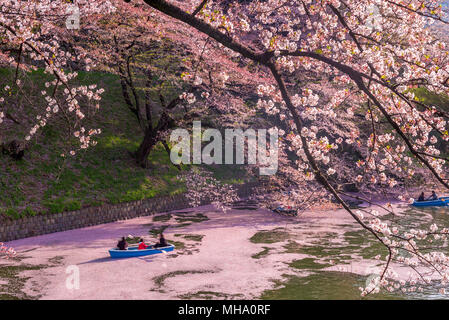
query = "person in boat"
{"x": 122, "y": 244}
{"x": 162, "y": 242}
{"x": 421, "y": 197}
{"x": 142, "y": 244}
{"x": 433, "y": 196}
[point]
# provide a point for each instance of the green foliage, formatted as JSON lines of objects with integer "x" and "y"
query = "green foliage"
{"x": 271, "y": 236}
{"x": 261, "y": 254}
{"x": 61, "y": 205}
{"x": 28, "y": 211}
{"x": 12, "y": 213}
{"x": 429, "y": 98}
{"x": 162, "y": 218}
{"x": 133, "y": 240}
{"x": 322, "y": 286}
{"x": 308, "y": 263}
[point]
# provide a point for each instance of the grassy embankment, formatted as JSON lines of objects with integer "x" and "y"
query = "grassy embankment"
{"x": 41, "y": 184}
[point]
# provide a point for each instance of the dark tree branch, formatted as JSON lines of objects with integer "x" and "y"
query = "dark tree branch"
{"x": 199, "y": 8}
{"x": 12, "y": 118}
{"x": 343, "y": 22}
{"x": 177, "y": 13}
{"x": 18, "y": 63}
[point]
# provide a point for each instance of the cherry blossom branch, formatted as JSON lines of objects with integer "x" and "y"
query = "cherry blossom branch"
{"x": 6, "y": 252}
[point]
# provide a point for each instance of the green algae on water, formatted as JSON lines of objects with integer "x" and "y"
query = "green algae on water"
{"x": 269, "y": 236}
{"x": 262, "y": 253}
{"x": 209, "y": 295}
{"x": 322, "y": 285}
{"x": 308, "y": 263}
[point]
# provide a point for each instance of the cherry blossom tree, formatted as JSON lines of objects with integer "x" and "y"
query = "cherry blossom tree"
{"x": 35, "y": 36}
{"x": 164, "y": 84}
{"x": 371, "y": 67}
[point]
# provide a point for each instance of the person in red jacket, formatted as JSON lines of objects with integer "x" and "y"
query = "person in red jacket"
{"x": 142, "y": 244}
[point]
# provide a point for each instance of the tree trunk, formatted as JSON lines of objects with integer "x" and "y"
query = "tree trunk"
{"x": 147, "y": 144}
{"x": 14, "y": 149}
{"x": 151, "y": 139}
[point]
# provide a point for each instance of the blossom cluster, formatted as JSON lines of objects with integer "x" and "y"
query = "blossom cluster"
{"x": 33, "y": 27}
{"x": 203, "y": 186}
{"x": 7, "y": 252}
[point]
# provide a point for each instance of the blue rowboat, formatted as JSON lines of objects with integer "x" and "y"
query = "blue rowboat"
{"x": 441, "y": 202}
{"x": 135, "y": 252}
{"x": 289, "y": 211}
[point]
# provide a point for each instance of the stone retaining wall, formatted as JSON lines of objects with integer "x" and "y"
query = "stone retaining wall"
{"x": 43, "y": 224}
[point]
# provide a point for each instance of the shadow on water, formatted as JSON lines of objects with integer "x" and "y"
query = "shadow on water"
{"x": 109, "y": 259}
{"x": 99, "y": 260}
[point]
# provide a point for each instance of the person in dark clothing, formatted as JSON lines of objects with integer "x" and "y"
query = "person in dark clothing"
{"x": 122, "y": 244}
{"x": 162, "y": 242}
{"x": 433, "y": 196}
{"x": 421, "y": 197}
